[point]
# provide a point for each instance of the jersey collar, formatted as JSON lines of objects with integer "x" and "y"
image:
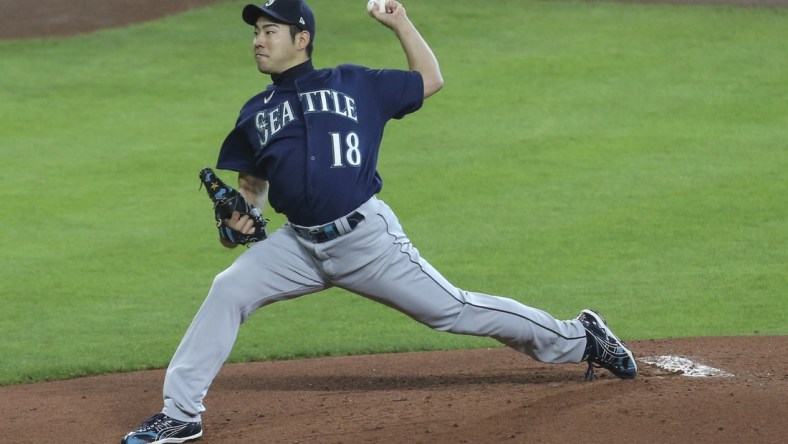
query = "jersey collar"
{"x": 289, "y": 76}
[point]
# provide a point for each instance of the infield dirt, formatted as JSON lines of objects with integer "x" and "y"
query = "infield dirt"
{"x": 472, "y": 396}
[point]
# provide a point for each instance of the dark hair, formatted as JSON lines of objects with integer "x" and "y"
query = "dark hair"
{"x": 294, "y": 30}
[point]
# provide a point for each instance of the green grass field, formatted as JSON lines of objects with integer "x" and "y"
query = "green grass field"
{"x": 631, "y": 158}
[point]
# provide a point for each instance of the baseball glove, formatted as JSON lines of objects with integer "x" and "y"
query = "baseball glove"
{"x": 226, "y": 200}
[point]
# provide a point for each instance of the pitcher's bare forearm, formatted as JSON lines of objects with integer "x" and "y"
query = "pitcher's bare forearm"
{"x": 418, "y": 52}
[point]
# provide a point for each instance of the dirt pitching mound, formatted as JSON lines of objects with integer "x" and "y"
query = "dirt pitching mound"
{"x": 738, "y": 394}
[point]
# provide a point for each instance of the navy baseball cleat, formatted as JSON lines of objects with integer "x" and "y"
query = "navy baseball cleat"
{"x": 604, "y": 349}
{"x": 161, "y": 429}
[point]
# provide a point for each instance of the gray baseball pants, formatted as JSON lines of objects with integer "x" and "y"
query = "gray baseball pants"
{"x": 375, "y": 260}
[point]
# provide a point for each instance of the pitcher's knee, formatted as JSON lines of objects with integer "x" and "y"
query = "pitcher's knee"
{"x": 228, "y": 291}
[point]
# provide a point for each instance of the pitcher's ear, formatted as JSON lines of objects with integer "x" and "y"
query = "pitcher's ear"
{"x": 303, "y": 39}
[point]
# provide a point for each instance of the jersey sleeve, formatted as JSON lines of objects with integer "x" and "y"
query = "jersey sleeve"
{"x": 237, "y": 152}
{"x": 399, "y": 92}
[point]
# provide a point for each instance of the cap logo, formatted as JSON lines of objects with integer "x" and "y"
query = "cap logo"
{"x": 269, "y": 3}
{"x": 301, "y": 21}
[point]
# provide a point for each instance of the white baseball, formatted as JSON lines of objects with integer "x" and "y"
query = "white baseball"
{"x": 372, "y": 4}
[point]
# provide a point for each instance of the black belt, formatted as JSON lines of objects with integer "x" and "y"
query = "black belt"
{"x": 333, "y": 230}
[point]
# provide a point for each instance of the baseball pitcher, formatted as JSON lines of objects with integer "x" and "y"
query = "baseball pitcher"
{"x": 308, "y": 145}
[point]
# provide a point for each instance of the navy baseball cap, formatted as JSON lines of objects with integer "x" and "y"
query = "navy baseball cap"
{"x": 290, "y": 12}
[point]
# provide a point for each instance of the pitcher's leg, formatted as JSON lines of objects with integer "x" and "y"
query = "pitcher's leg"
{"x": 526, "y": 329}
{"x": 397, "y": 276}
{"x": 269, "y": 271}
{"x": 428, "y": 298}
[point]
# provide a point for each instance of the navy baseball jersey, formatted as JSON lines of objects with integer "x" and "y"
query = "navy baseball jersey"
{"x": 345, "y": 110}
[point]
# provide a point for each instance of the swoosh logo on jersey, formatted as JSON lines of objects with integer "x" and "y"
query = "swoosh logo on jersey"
{"x": 267, "y": 99}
